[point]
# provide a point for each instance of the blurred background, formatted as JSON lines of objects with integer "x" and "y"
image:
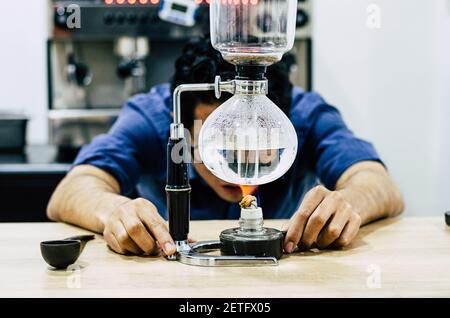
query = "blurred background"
{"x": 385, "y": 64}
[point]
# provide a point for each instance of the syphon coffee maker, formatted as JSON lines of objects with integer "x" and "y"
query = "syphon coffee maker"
{"x": 247, "y": 140}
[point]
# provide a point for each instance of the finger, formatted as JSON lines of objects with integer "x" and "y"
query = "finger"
{"x": 157, "y": 226}
{"x": 156, "y": 251}
{"x": 138, "y": 233}
{"x": 319, "y": 219}
{"x": 309, "y": 203}
{"x": 335, "y": 227}
{"x": 296, "y": 224}
{"x": 124, "y": 240}
{"x": 349, "y": 232}
{"x": 112, "y": 242}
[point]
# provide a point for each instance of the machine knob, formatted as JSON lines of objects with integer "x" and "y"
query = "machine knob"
{"x": 108, "y": 18}
{"x": 120, "y": 18}
{"x": 132, "y": 18}
{"x": 143, "y": 18}
{"x": 265, "y": 24}
{"x": 60, "y": 17}
{"x": 302, "y": 18}
{"x": 78, "y": 72}
{"x": 125, "y": 68}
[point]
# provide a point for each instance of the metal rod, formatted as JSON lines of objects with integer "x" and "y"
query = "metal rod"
{"x": 187, "y": 88}
{"x": 176, "y": 130}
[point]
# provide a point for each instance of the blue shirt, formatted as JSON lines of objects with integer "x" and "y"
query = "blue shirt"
{"x": 134, "y": 152}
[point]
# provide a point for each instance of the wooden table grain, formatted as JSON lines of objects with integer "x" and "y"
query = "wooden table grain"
{"x": 402, "y": 257}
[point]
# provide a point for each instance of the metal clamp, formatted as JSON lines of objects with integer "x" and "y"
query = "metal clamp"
{"x": 251, "y": 87}
{"x": 219, "y": 87}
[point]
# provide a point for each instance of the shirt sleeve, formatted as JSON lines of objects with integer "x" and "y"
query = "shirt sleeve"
{"x": 129, "y": 147}
{"x": 335, "y": 148}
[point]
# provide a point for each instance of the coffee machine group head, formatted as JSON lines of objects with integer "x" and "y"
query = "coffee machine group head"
{"x": 247, "y": 140}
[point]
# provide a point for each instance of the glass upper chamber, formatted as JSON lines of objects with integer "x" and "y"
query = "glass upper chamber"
{"x": 248, "y": 140}
{"x": 253, "y": 31}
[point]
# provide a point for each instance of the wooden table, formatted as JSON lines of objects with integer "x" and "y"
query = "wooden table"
{"x": 401, "y": 257}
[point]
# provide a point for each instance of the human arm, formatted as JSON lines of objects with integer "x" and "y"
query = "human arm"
{"x": 90, "y": 197}
{"x": 94, "y": 195}
{"x": 356, "y": 189}
{"x": 365, "y": 192}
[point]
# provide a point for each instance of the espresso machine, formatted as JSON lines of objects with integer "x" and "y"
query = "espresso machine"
{"x": 117, "y": 49}
{"x": 246, "y": 141}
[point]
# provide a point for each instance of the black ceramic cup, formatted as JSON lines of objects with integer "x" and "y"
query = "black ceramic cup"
{"x": 62, "y": 253}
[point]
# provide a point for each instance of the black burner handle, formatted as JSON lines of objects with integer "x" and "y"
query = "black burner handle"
{"x": 178, "y": 190}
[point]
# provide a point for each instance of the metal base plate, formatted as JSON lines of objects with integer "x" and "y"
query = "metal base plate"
{"x": 198, "y": 255}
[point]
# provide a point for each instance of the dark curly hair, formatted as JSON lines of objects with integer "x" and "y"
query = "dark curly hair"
{"x": 200, "y": 63}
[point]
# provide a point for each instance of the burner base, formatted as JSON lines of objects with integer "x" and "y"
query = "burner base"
{"x": 265, "y": 243}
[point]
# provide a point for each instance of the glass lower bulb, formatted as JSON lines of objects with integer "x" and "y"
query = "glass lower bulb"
{"x": 248, "y": 140}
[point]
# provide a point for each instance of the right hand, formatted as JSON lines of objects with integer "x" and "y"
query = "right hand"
{"x": 136, "y": 227}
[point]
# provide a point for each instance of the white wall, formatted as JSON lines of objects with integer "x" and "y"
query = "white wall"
{"x": 23, "y": 82}
{"x": 392, "y": 85}
{"x": 443, "y": 95}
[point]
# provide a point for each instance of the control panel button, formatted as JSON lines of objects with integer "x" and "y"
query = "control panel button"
{"x": 60, "y": 18}
{"x": 132, "y": 18}
{"x": 144, "y": 18}
{"x": 302, "y": 18}
{"x": 120, "y": 18}
{"x": 108, "y": 18}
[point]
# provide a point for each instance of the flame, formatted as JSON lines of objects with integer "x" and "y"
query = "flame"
{"x": 248, "y": 189}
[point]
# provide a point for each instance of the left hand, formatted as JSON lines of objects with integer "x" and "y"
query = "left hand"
{"x": 325, "y": 217}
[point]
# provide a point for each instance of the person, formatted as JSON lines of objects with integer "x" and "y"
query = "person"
{"x": 117, "y": 183}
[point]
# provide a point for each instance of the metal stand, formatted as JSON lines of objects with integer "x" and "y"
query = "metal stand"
{"x": 196, "y": 254}
{"x": 178, "y": 188}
